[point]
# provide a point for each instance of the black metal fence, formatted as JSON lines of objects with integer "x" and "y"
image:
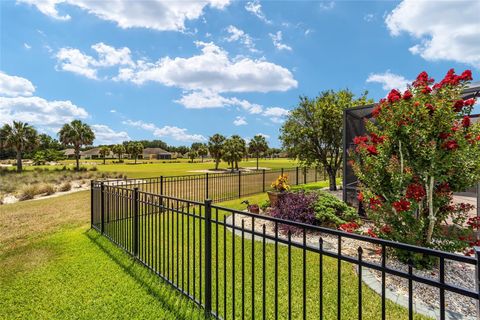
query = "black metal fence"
{"x": 236, "y": 264}
{"x": 219, "y": 186}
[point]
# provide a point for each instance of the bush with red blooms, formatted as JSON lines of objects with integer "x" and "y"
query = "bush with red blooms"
{"x": 421, "y": 146}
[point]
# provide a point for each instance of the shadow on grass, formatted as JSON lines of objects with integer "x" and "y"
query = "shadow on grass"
{"x": 168, "y": 298}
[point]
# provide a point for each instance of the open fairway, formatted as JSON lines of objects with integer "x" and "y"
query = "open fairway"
{"x": 156, "y": 168}
{"x": 56, "y": 268}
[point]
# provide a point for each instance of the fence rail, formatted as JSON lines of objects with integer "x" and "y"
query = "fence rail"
{"x": 236, "y": 264}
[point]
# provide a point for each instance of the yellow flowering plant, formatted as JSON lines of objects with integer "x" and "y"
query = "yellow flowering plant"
{"x": 281, "y": 183}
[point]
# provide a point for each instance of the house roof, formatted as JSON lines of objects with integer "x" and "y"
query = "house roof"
{"x": 91, "y": 152}
{"x": 69, "y": 152}
{"x": 155, "y": 151}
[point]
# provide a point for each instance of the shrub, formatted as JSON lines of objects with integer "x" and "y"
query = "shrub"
{"x": 296, "y": 206}
{"x": 332, "y": 212}
{"x": 28, "y": 192}
{"x": 66, "y": 186}
{"x": 94, "y": 168}
{"x": 265, "y": 204}
{"x": 46, "y": 188}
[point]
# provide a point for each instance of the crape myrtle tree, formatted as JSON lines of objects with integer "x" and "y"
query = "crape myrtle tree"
{"x": 421, "y": 147}
{"x": 192, "y": 154}
{"x": 104, "y": 152}
{"x": 215, "y": 147}
{"x": 19, "y": 136}
{"x": 258, "y": 146}
{"x": 76, "y": 134}
{"x": 119, "y": 150}
{"x": 134, "y": 149}
{"x": 313, "y": 131}
{"x": 202, "y": 151}
{"x": 234, "y": 149}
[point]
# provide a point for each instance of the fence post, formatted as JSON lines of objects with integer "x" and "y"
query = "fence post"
{"x": 206, "y": 185}
{"x": 297, "y": 176}
{"x": 91, "y": 203}
{"x": 263, "y": 179}
{"x": 208, "y": 257}
{"x": 161, "y": 185}
{"x": 316, "y": 172}
{"x": 304, "y": 175}
{"x": 102, "y": 207}
{"x": 239, "y": 183}
{"x": 477, "y": 279}
{"x": 135, "y": 222}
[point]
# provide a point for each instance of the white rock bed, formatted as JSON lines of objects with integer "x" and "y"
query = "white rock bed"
{"x": 426, "y": 298}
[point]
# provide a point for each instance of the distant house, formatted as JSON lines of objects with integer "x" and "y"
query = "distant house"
{"x": 156, "y": 153}
{"x": 69, "y": 153}
{"x": 94, "y": 154}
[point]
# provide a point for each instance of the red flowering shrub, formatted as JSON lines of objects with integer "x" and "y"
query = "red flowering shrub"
{"x": 421, "y": 146}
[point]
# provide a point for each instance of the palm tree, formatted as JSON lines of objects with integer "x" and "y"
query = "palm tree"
{"x": 119, "y": 150}
{"x": 104, "y": 151}
{"x": 76, "y": 134}
{"x": 233, "y": 150}
{"x": 21, "y": 137}
{"x": 134, "y": 149}
{"x": 215, "y": 146}
{"x": 257, "y": 146}
{"x": 202, "y": 151}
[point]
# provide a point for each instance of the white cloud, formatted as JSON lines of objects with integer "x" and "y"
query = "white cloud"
{"x": 208, "y": 99}
{"x": 446, "y": 30}
{"x": 327, "y": 5}
{"x": 255, "y": 8}
{"x": 236, "y": 34}
{"x": 27, "y": 46}
{"x": 277, "y": 41}
{"x": 369, "y": 17}
{"x": 213, "y": 70}
{"x": 176, "y": 133}
{"x": 13, "y": 86}
{"x": 106, "y": 135}
{"x": 389, "y": 80}
{"x": 240, "y": 121}
{"x": 153, "y": 14}
{"x": 276, "y": 114}
{"x": 73, "y": 60}
{"x": 38, "y": 111}
{"x": 18, "y": 103}
{"x": 266, "y": 136}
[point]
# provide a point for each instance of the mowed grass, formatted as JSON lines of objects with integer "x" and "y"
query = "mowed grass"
{"x": 53, "y": 267}
{"x": 58, "y": 269}
{"x": 156, "y": 168}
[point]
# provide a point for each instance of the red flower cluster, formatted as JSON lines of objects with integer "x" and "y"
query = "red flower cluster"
{"x": 372, "y": 150}
{"x": 443, "y": 187}
{"x": 376, "y": 138}
{"x": 371, "y": 233}
{"x": 401, "y": 205}
{"x": 376, "y": 110}
{"x": 375, "y": 203}
{"x": 359, "y": 140}
{"x": 444, "y": 135}
{"x": 349, "y": 227}
{"x": 386, "y": 229}
{"x": 430, "y": 108}
{"x": 422, "y": 80}
{"x": 450, "y": 145}
{"x": 360, "y": 197}
{"x": 362, "y": 143}
{"x": 452, "y": 79}
{"x": 394, "y": 96}
{"x": 415, "y": 191}
{"x": 407, "y": 95}
{"x": 474, "y": 223}
{"x": 466, "y": 122}
{"x": 458, "y": 105}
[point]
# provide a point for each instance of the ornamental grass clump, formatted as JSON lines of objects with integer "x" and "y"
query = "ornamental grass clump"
{"x": 421, "y": 147}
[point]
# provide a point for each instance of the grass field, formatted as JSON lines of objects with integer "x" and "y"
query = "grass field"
{"x": 166, "y": 168}
{"x": 53, "y": 267}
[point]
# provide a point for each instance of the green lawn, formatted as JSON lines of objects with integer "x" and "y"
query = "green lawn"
{"x": 167, "y": 168}
{"x": 56, "y": 269}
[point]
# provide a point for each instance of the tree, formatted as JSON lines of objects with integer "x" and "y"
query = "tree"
{"x": 76, "y": 134}
{"x": 192, "y": 154}
{"x": 202, "y": 151}
{"x": 234, "y": 149}
{"x": 215, "y": 147}
{"x": 134, "y": 149}
{"x": 104, "y": 152}
{"x": 119, "y": 150}
{"x": 258, "y": 146}
{"x": 47, "y": 142}
{"x": 19, "y": 136}
{"x": 313, "y": 131}
{"x": 422, "y": 147}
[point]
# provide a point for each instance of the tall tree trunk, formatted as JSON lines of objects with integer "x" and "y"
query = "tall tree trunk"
{"x": 19, "y": 161}
{"x": 257, "y": 162}
{"x": 332, "y": 178}
{"x": 77, "y": 158}
{"x": 431, "y": 213}
{"x": 217, "y": 160}
{"x": 135, "y": 159}
{"x": 103, "y": 159}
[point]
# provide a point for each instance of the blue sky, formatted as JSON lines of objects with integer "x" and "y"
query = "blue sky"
{"x": 183, "y": 71}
